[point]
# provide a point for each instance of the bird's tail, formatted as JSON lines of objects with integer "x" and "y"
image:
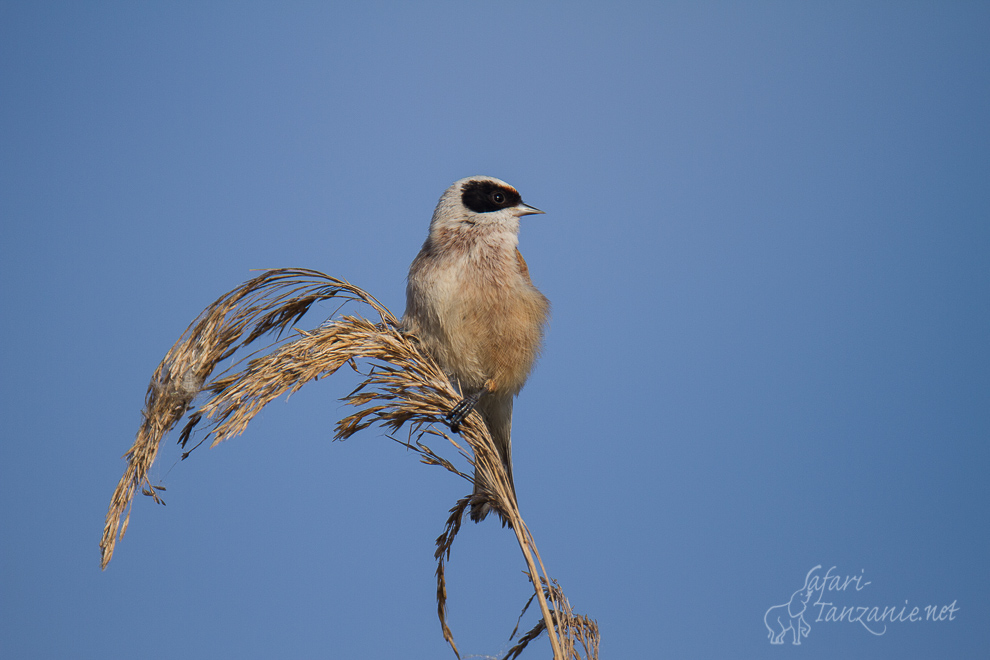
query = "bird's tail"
{"x": 497, "y": 413}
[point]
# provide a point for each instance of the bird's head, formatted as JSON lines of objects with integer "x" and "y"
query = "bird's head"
{"x": 480, "y": 200}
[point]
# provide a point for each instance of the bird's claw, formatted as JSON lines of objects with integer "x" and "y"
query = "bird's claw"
{"x": 460, "y": 411}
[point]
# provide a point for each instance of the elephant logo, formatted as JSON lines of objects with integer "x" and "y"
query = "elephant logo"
{"x": 790, "y": 616}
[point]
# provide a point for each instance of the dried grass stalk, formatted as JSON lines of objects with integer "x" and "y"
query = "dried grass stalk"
{"x": 403, "y": 387}
{"x": 573, "y": 629}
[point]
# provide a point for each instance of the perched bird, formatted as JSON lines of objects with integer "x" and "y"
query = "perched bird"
{"x": 471, "y": 303}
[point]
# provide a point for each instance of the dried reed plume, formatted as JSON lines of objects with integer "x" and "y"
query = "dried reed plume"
{"x": 402, "y": 386}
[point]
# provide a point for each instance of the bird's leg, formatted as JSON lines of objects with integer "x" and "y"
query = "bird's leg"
{"x": 462, "y": 409}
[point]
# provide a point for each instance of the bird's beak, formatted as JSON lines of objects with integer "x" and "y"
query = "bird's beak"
{"x": 525, "y": 209}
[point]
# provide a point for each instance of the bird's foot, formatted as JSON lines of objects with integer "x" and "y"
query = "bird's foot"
{"x": 461, "y": 410}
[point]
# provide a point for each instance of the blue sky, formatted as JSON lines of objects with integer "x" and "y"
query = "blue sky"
{"x": 766, "y": 243}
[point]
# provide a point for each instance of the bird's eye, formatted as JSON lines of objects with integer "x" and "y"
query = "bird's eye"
{"x": 498, "y": 197}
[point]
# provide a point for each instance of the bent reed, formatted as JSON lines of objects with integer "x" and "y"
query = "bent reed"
{"x": 402, "y": 387}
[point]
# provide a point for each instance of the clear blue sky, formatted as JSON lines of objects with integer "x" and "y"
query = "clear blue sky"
{"x": 767, "y": 245}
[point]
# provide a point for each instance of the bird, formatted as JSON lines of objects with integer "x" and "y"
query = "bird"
{"x": 473, "y": 307}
